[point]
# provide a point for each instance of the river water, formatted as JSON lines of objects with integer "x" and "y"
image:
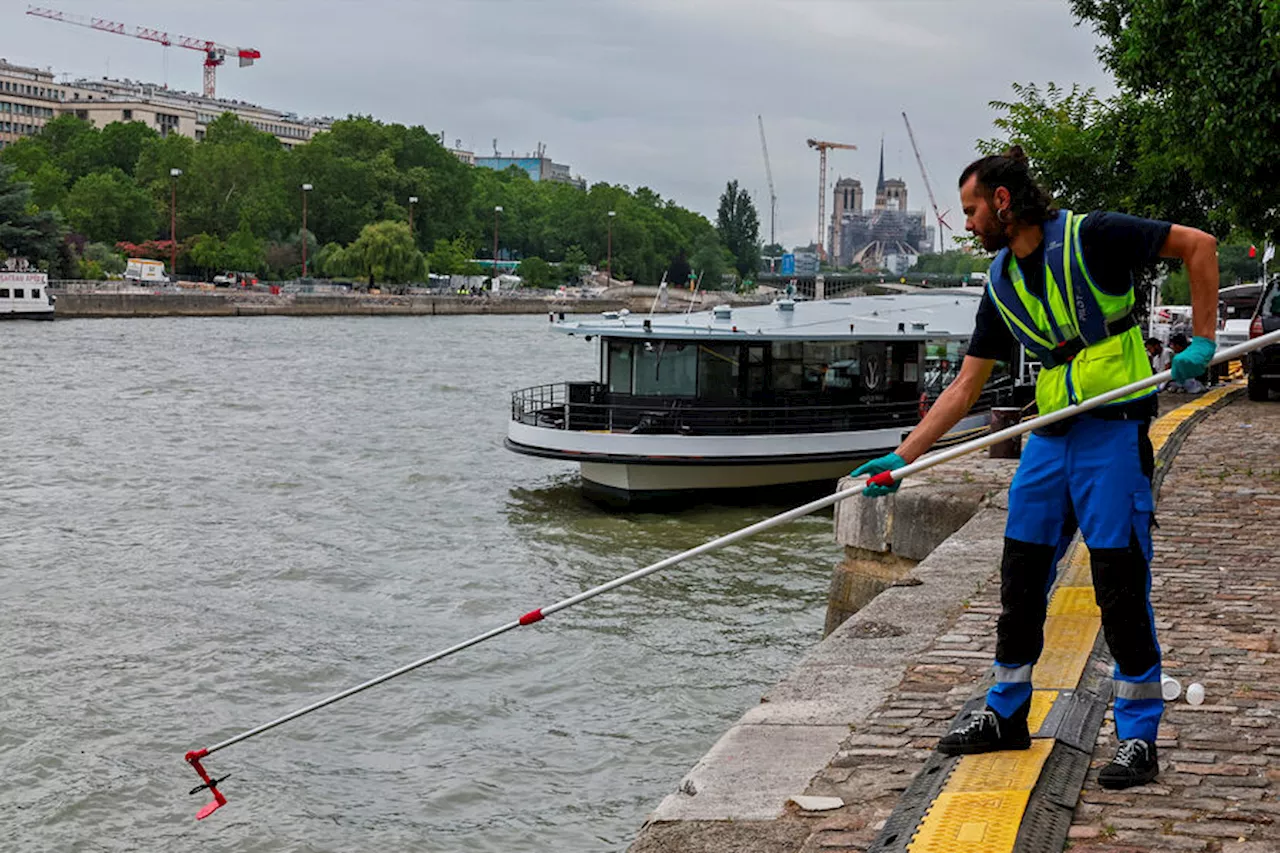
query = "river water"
{"x": 211, "y": 522}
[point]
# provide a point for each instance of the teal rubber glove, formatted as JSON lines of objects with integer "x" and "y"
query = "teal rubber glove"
{"x": 1194, "y": 360}
{"x": 879, "y": 466}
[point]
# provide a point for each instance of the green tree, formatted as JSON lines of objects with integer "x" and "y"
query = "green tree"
{"x": 710, "y": 261}
{"x": 243, "y": 252}
{"x": 208, "y": 252}
{"x": 452, "y": 257}
{"x": 739, "y": 228}
{"x": 109, "y": 259}
{"x": 535, "y": 271}
{"x": 1208, "y": 76}
{"x": 108, "y": 206}
{"x": 26, "y": 233}
{"x": 384, "y": 251}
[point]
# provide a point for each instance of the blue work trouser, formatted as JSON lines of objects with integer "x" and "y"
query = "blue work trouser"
{"x": 1095, "y": 476}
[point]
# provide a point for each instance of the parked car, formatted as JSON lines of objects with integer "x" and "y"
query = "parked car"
{"x": 235, "y": 279}
{"x": 1263, "y": 366}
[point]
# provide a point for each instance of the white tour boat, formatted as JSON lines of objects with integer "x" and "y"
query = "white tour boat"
{"x": 25, "y": 296}
{"x": 760, "y": 396}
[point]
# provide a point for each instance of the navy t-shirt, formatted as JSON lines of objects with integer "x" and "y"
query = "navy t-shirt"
{"x": 1115, "y": 245}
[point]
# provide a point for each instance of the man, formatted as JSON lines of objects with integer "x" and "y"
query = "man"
{"x": 1061, "y": 286}
{"x": 1159, "y": 355}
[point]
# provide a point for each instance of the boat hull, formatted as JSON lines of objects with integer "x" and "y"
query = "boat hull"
{"x": 26, "y": 315}
{"x": 625, "y": 469}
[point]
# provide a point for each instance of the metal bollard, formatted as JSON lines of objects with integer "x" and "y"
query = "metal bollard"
{"x": 1003, "y": 417}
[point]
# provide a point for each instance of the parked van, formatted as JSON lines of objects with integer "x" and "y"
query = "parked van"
{"x": 141, "y": 269}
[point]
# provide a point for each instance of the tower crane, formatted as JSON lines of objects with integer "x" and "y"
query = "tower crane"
{"x": 768, "y": 173}
{"x": 214, "y": 54}
{"x": 822, "y": 183}
{"x": 941, "y": 216}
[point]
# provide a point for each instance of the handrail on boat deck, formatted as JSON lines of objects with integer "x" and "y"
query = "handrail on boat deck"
{"x": 589, "y": 406}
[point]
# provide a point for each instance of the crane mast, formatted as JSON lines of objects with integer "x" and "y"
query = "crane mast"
{"x": 942, "y": 222}
{"x": 822, "y": 183}
{"x": 768, "y": 172}
{"x": 214, "y": 54}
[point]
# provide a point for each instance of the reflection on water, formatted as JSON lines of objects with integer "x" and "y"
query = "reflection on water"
{"x": 223, "y": 520}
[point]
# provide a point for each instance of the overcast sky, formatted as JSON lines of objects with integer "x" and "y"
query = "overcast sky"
{"x": 657, "y": 93}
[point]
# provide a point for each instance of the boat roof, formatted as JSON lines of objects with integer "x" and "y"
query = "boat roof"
{"x": 910, "y": 316}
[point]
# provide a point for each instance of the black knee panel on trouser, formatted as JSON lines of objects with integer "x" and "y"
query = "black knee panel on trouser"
{"x": 1120, "y": 582}
{"x": 1024, "y": 574}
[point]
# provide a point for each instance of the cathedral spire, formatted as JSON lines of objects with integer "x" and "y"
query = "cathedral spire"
{"x": 880, "y": 182}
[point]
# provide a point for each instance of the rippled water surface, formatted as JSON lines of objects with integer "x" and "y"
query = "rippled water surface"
{"x": 211, "y": 522}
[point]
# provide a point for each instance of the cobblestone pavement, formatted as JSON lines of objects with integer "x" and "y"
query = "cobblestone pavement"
{"x": 1216, "y": 596}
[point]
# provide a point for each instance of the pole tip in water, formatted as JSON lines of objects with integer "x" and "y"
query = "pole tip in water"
{"x": 193, "y": 758}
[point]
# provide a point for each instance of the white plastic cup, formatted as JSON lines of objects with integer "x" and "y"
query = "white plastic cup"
{"x": 1170, "y": 689}
{"x": 1195, "y": 694}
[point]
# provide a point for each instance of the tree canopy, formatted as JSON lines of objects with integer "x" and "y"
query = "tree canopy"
{"x": 239, "y": 200}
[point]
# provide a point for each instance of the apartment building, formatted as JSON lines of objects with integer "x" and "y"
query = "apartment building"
{"x": 29, "y": 97}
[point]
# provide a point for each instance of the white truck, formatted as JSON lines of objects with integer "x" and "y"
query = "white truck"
{"x": 141, "y": 269}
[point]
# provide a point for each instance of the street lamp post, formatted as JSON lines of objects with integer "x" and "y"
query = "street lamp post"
{"x": 493, "y": 284}
{"x": 173, "y": 222}
{"x": 608, "y": 267}
{"x": 413, "y": 199}
{"x": 306, "y": 188}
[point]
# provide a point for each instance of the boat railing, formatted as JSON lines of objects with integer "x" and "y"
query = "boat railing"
{"x": 589, "y": 406}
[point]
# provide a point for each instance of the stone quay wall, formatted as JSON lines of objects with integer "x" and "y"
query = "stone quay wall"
{"x": 79, "y": 305}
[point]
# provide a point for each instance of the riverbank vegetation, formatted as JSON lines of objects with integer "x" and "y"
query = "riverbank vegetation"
{"x": 239, "y": 202}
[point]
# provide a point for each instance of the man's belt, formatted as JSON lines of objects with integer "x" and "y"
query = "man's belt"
{"x": 1068, "y": 350}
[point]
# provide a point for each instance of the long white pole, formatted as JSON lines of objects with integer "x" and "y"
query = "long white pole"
{"x": 886, "y": 478}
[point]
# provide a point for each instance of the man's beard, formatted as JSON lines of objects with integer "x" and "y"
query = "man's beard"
{"x": 994, "y": 241}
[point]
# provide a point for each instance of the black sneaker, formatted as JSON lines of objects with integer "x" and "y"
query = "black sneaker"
{"x": 989, "y": 732}
{"x": 1135, "y": 764}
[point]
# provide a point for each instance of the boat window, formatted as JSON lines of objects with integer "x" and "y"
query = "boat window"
{"x": 666, "y": 368}
{"x": 18, "y": 293}
{"x": 756, "y": 370}
{"x": 718, "y": 372}
{"x": 620, "y": 367}
{"x": 942, "y": 364}
{"x": 788, "y": 365}
{"x": 35, "y": 294}
{"x": 4, "y": 293}
{"x": 828, "y": 366}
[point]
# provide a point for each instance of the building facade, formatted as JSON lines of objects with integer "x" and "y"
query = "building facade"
{"x": 168, "y": 111}
{"x": 29, "y": 98}
{"x": 537, "y": 165}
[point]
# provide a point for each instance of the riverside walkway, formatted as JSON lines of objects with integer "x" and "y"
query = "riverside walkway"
{"x": 1216, "y": 596}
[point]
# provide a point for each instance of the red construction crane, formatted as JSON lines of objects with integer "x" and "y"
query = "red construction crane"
{"x": 214, "y": 54}
{"x": 941, "y": 216}
{"x": 822, "y": 184}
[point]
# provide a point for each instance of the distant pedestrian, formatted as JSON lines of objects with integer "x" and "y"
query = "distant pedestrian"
{"x": 1159, "y": 355}
{"x": 1061, "y": 287}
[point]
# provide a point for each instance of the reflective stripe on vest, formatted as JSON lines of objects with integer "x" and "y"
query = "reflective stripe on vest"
{"x": 1072, "y": 307}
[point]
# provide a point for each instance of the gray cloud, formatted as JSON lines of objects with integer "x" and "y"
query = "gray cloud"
{"x": 658, "y": 93}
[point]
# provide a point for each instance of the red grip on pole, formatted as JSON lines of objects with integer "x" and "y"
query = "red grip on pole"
{"x": 531, "y": 617}
{"x": 193, "y": 758}
{"x": 884, "y": 478}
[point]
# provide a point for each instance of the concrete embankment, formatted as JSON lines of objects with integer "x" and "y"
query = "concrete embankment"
{"x": 106, "y": 304}
{"x": 911, "y": 563}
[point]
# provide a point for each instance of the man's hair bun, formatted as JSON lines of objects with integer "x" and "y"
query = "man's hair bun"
{"x": 1016, "y": 154}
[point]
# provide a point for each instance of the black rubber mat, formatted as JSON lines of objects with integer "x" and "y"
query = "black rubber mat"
{"x": 1062, "y": 776}
{"x": 1044, "y": 827}
{"x": 1080, "y": 721}
{"x": 914, "y": 802}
